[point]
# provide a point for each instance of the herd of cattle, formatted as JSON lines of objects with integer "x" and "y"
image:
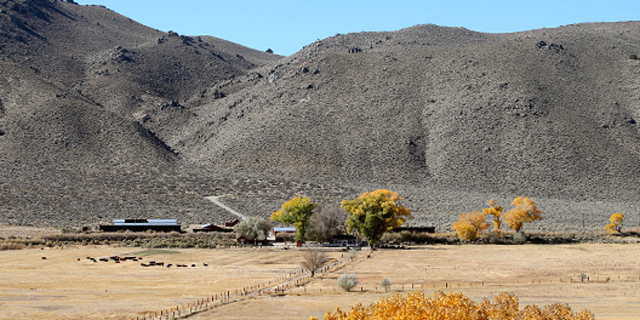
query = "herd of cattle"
{"x": 117, "y": 259}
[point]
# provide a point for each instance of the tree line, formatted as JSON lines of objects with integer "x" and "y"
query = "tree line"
{"x": 370, "y": 215}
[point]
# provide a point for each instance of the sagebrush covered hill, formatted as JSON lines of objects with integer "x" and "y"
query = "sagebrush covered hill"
{"x": 101, "y": 117}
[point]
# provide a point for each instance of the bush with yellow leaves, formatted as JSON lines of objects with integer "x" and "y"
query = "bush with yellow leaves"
{"x": 470, "y": 225}
{"x": 616, "y": 223}
{"x": 454, "y": 306}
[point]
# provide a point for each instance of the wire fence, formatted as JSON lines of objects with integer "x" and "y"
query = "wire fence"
{"x": 295, "y": 283}
{"x": 279, "y": 285}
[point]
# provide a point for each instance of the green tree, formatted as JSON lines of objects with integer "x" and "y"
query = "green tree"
{"x": 253, "y": 228}
{"x": 372, "y": 214}
{"x": 297, "y": 212}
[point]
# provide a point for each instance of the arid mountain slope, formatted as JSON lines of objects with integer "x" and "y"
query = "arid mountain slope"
{"x": 77, "y": 83}
{"x": 547, "y": 112}
{"x": 101, "y": 117}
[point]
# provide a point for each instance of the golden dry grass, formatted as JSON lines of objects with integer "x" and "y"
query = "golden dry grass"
{"x": 537, "y": 274}
{"x": 62, "y": 287}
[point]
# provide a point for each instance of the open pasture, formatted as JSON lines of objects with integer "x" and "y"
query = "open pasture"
{"x": 538, "y": 274}
{"x": 63, "y": 287}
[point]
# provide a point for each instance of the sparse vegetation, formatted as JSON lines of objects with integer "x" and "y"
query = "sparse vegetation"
{"x": 347, "y": 281}
{"x": 11, "y": 246}
{"x": 142, "y": 239}
{"x": 297, "y": 212}
{"x": 454, "y": 306}
{"x": 375, "y": 213}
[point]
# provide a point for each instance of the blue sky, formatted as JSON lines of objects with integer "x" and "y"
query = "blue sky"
{"x": 286, "y": 26}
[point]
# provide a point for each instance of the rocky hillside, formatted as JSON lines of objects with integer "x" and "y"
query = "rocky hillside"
{"x": 101, "y": 117}
{"x": 77, "y": 144}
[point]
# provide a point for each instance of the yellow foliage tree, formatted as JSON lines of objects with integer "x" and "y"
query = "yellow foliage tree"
{"x": 296, "y": 211}
{"x": 454, "y": 306}
{"x": 616, "y": 223}
{"x": 469, "y": 225}
{"x": 372, "y": 214}
{"x": 524, "y": 211}
{"x": 496, "y": 212}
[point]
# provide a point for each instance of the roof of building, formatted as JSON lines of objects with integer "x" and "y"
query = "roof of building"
{"x": 287, "y": 229}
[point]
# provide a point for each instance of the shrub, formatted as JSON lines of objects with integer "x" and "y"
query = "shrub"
{"x": 454, "y": 306}
{"x": 519, "y": 237}
{"x": 347, "y": 281}
{"x": 386, "y": 284}
{"x": 633, "y": 57}
{"x": 11, "y": 246}
{"x": 155, "y": 240}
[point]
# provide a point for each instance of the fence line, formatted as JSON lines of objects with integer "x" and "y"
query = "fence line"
{"x": 467, "y": 284}
{"x": 280, "y": 285}
{"x": 294, "y": 283}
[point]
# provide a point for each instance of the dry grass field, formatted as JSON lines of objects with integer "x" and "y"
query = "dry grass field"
{"x": 537, "y": 274}
{"x": 61, "y": 287}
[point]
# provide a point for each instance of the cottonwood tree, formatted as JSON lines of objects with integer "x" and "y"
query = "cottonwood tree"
{"x": 454, "y": 306}
{"x": 372, "y": 214}
{"x": 496, "y": 212}
{"x": 470, "y": 225}
{"x": 616, "y": 223}
{"x": 296, "y": 211}
{"x": 314, "y": 259}
{"x": 524, "y": 211}
{"x": 253, "y": 228}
